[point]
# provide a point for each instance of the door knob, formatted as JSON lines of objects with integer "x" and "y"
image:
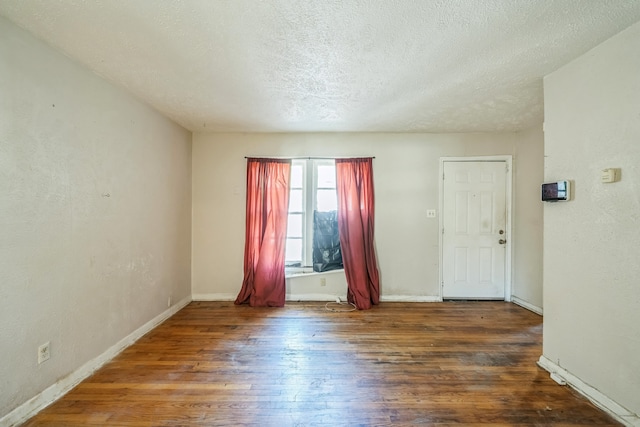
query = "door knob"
{"x": 502, "y": 241}
{"x": 501, "y": 231}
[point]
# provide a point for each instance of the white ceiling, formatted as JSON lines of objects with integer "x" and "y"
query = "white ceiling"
{"x": 329, "y": 65}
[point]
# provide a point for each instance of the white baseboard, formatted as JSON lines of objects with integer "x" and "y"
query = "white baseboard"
{"x": 603, "y": 402}
{"x": 383, "y": 298}
{"x": 409, "y": 298}
{"x": 528, "y": 306}
{"x": 54, "y": 392}
{"x": 321, "y": 297}
{"x": 390, "y": 298}
{"x": 315, "y": 297}
{"x": 214, "y": 297}
{"x": 296, "y": 297}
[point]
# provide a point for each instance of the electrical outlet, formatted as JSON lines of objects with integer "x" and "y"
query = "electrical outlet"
{"x": 323, "y": 281}
{"x": 44, "y": 352}
{"x": 431, "y": 213}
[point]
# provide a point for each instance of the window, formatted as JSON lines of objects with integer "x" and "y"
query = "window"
{"x": 312, "y": 188}
{"x": 294, "y": 253}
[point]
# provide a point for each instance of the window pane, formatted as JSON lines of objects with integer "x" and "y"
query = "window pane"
{"x": 326, "y": 176}
{"x": 293, "y": 250}
{"x": 295, "y": 201}
{"x": 327, "y": 200}
{"x": 294, "y": 225}
{"x": 296, "y": 176}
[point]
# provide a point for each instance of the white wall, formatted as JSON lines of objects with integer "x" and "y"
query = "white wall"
{"x": 527, "y": 250}
{"x": 406, "y": 183}
{"x": 95, "y": 208}
{"x": 592, "y": 244}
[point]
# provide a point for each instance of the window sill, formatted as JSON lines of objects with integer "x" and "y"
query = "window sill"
{"x": 307, "y": 271}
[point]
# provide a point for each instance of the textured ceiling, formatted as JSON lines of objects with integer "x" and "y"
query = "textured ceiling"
{"x": 329, "y": 65}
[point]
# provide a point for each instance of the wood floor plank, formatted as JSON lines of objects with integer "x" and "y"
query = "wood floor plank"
{"x": 217, "y": 364}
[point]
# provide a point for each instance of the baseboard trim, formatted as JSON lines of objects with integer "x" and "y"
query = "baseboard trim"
{"x": 321, "y": 297}
{"x": 527, "y": 305}
{"x": 603, "y": 402}
{"x": 291, "y": 298}
{"x": 315, "y": 297}
{"x": 409, "y": 298}
{"x": 54, "y": 392}
{"x": 214, "y": 297}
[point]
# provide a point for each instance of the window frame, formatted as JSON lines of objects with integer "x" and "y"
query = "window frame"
{"x": 310, "y": 203}
{"x": 302, "y": 213}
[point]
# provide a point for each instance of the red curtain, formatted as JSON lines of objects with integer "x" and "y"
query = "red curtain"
{"x": 266, "y": 231}
{"x": 354, "y": 182}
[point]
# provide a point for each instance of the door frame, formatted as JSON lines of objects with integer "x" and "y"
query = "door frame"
{"x": 508, "y": 160}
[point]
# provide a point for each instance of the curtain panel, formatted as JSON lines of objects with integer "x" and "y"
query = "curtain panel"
{"x": 354, "y": 182}
{"x": 265, "y": 233}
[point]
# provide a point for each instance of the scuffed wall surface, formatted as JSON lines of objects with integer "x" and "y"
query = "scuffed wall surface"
{"x": 591, "y": 244}
{"x": 95, "y": 212}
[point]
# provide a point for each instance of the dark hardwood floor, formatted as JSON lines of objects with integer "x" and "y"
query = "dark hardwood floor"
{"x": 399, "y": 364}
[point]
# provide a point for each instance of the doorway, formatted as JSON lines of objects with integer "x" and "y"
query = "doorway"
{"x": 475, "y": 228}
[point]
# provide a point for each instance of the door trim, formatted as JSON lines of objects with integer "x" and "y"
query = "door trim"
{"x": 508, "y": 160}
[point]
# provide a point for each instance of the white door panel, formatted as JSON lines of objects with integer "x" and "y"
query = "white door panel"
{"x": 474, "y": 224}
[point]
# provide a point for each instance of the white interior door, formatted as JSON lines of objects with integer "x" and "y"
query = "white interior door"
{"x": 474, "y": 229}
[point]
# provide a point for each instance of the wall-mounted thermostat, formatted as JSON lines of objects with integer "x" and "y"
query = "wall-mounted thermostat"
{"x": 559, "y": 191}
{"x": 610, "y": 175}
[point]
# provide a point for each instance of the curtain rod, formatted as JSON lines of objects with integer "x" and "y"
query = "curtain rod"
{"x": 309, "y": 158}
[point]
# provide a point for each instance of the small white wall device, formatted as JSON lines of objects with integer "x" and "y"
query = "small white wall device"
{"x": 610, "y": 175}
{"x": 559, "y": 191}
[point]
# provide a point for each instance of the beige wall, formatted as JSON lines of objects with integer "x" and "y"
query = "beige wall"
{"x": 406, "y": 181}
{"x": 592, "y": 243}
{"x": 527, "y": 250}
{"x": 95, "y": 213}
